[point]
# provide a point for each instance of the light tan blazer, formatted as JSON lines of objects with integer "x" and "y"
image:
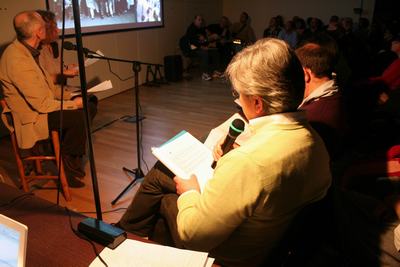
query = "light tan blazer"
{"x": 30, "y": 94}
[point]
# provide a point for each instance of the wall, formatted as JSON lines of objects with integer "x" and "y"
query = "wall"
{"x": 150, "y": 45}
{"x": 262, "y": 10}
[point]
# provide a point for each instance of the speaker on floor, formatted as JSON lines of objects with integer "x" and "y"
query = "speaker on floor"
{"x": 173, "y": 68}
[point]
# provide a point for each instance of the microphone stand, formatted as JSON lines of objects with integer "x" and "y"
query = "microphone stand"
{"x": 136, "y": 67}
{"x": 82, "y": 75}
{"x": 94, "y": 229}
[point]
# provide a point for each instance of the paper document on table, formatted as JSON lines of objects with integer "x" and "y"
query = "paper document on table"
{"x": 222, "y": 130}
{"x": 132, "y": 253}
{"x": 106, "y": 85}
{"x": 184, "y": 155}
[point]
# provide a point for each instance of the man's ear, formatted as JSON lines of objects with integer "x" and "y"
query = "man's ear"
{"x": 259, "y": 105}
{"x": 307, "y": 75}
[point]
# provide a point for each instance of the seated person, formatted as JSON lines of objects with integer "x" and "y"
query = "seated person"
{"x": 195, "y": 44}
{"x": 50, "y": 60}
{"x": 289, "y": 34}
{"x": 322, "y": 101}
{"x": 243, "y": 31}
{"x": 33, "y": 98}
{"x": 391, "y": 75}
{"x": 220, "y": 37}
{"x": 273, "y": 29}
{"x": 49, "y": 57}
{"x": 257, "y": 188}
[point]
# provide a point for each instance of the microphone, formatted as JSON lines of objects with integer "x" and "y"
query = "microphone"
{"x": 71, "y": 46}
{"x": 236, "y": 128}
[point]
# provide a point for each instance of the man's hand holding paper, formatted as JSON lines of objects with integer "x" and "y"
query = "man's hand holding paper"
{"x": 185, "y": 185}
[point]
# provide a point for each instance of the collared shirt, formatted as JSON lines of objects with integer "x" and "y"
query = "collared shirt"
{"x": 35, "y": 52}
{"x": 328, "y": 88}
{"x": 281, "y": 118}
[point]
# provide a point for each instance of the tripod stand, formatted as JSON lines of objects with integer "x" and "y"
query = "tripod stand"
{"x": 136, "y": 67}
{"x": 138, "y": 173}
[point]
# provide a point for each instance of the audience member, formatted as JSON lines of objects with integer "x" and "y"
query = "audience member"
{"x": 333, "y": 28}
{"x": 195, "y": 36}
{"x": 273, "y": 29}
{"x": 322, "y": 98}
{"x": 257, "y": 188}
{"x": 381, "y": 54}
{"x": 288, "y": 34}
{"x": 362, "y": 32}
{"x": 315, "y": 26}
{"x": 353, "y": 50}
{"x": 280, "y": 21}
{"x": 195, "y": 44}
{"x": 33, "y": 98}
{"x": 391, "y": 75}
{"x": 300, "y": 26}
{"x": 220, "y": 37}
{"x": 243, "y": 31}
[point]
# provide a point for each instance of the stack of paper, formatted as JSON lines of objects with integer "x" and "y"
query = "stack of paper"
{"x": 132, "y": 253}
{"x": 106, "y": 85}
{"x": 184, "y": 155}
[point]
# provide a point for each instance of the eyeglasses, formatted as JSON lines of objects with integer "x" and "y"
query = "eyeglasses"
{"x": 235, "y": 94}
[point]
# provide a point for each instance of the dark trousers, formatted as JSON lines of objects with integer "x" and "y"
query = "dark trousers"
{"x": 74, "y": 134}
{"x": 155, "y": 199}
{"x": 209, "y": 59}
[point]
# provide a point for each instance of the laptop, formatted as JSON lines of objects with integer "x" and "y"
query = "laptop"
{"x": 13, "y": 241}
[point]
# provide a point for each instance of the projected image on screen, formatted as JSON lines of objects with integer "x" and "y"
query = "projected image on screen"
{"x": 109, "y": 15}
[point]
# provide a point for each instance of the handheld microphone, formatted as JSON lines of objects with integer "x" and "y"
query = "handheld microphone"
{"x": 71, "y": 46}
{"x": 236, "y": 128}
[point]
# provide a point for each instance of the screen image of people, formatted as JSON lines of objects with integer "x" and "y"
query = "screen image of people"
{"x": 109, "y": 13}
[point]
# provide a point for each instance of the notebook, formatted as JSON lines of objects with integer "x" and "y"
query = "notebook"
{"x": 13, "y": 241}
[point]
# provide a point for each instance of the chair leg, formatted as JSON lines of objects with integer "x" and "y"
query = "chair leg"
{"x": 38, "y": 167}
{"x": 63, "y": 177}
{"x": 20, "y": 164}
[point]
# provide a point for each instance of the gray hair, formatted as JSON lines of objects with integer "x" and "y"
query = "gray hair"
{"x": 25, "y": 24}
{"x": 269, "y": 69}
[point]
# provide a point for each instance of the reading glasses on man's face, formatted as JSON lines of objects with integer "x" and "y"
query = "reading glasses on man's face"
{"x": 235, "y": 94}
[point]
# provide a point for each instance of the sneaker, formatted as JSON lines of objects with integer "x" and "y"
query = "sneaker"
{"x": 206, "y": 77}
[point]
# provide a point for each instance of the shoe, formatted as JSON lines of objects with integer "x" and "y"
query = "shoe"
{"x": 206, "y": 77}
{"x": 73, "y": 165}
{"x": 74, "y": 183}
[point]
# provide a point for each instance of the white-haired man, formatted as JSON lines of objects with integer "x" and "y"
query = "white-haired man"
{"x": 257, "y": 188}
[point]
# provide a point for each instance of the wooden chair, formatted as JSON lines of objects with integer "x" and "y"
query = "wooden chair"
{"x": 37, "y": 160}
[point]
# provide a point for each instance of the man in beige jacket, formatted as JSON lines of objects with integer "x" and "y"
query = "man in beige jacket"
{"x": 33, "y": 99}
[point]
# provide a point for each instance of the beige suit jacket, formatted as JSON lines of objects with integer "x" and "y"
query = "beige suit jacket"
{"x": 30, "y": 94}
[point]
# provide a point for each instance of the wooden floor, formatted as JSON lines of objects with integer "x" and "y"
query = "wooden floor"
{"x": 195, "y": 106}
